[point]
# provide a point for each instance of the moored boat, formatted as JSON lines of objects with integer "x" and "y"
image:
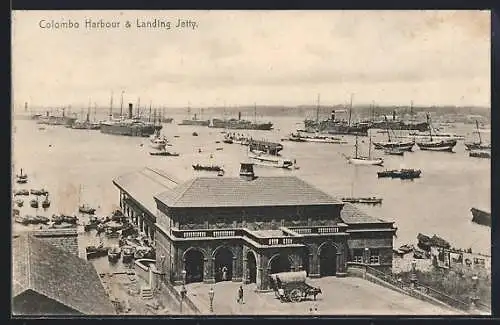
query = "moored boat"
{"x": 164, "y": 153}
{"x": 96, "y": 251}
{"x": 158, "y": 142}
{"x": 114, "y": 254}
{"x": 39, "y": 192}
{"x": 477, "y": 145}
{"x": 365, "y": 200}
{"x": 481, "y": 217}
{"x": 433, "y": 144}
{"x": 23, "y": 192}
{"x": 46, "y": 202}
{"x": 21, "y": 178}
{"x": 19, "y": 202}
{"x": 211, "y": 168}
{"x": 34, "y": 203}
{"x": 480, "y": 153}
{"x": 270, "y": 161}
{"x": 86, "y": 209}
{"x": 402, "y": 173}
{"x": 360, "y": 160}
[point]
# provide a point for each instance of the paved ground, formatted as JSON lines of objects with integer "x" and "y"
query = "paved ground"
{"x": 341, "y": 296}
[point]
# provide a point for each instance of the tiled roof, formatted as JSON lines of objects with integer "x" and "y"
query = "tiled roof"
{"x": 66, "y": 239}
{"x": 237, "y": 192}
{"x": 350, "y": 214}
{"x": 144, "y": 184}
{"x": 58, "y": 275}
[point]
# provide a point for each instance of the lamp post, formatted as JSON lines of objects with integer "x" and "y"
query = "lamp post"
{"x": 475, "y": 297}
{"x": 183, "y": 289}
{"x": 413, "y": 277}
{"x": 211, "y": 295}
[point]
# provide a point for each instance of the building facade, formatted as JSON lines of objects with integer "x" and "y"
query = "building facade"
{"x": 245, "y": 228}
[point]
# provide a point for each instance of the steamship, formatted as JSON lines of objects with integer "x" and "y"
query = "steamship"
{"x": 56, "y": 120}
{"x": 129, "y": 127}
{"x": 239, "y": 124}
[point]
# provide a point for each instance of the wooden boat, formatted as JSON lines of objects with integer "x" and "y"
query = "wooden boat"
{"x": 270, "y": 161}
{"x": 317, "y": 138}
{"x": 481, "y": 217}
{"x": 22, "y": 220}
{"x": 22, "y": 178}
{"x": 479, "y": 145}
{"x": 70, "y": 219}
{"x": 434, "y": 144}
{"x": 220, "y": 173}
{"x": 86, "y": 209}
{"x": 158, "y": 142}
{"x": 365, "y": 200}
{"x": 360, "y": 160}
{"x": 480, "y": 153}
{"x": 114, "y": 254}
{"x": 195, "y": 134}
{"x": 41, "y": 219}
{"x": 402, "y": 173}
{"x": 96, "y": 251}
{"x": 228, "y": 141}
{"x": 57, "y": 219}
{"x": 46, "y": 202}
{"x": 34, "y": 203}
{"x": 394, "y": 152}
{"x": 39, "y": 192}
{"x": 19, "y": 202}
{"x": 164, "y": 153}
{"x": 127, "y": 254}
{"x": 23, "y": 192}
{"x": 402, "y": 145}
{"x": 211, "y": 168}
{"x": 219, "y": 148}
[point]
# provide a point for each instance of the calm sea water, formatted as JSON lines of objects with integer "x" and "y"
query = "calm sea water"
{"x": 77, "y": 166}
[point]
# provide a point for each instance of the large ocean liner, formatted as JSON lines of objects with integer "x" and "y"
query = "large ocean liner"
{"x": 239, "y": 124}
{"x": 129, "y": 126}
{"x": 62, "y": 119}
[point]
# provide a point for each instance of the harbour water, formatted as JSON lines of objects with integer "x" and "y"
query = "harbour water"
{"x": 77, "y": 166}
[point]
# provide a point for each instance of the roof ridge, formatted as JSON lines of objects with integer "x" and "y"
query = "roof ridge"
{"x": 151, "y": 178}
{"x": 28, "y": 259}
{"x": 187, "y": 186}
{"x": 168, "y": 177}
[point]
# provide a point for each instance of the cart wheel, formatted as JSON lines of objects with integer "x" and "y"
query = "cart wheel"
{"x": 295, "y": 295}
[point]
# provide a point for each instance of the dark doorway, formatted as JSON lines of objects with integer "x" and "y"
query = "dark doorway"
{"x": 193, "y": 260}
{"x": 223, "y": 264}
{"x": 327, "y": 259}
{"x": 280, "y": 263}
{"x": 251, "y": 267}
{"x": 305, "y": 261}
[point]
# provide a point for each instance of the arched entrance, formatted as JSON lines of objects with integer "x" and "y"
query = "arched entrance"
{"x": 223, "y": 264}
{"x": 327, "y": 259}
{"x": 279, "y": 263}
{"x": 193, "y": 261}
{"x": 251, "y": 267}
{"x": 305, "y": 261}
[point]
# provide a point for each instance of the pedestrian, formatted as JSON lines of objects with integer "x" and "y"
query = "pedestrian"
{"x": 240, "y": 295}
{"x": 224, "y": 273}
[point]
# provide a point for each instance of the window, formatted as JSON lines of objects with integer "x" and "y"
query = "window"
{"x": 374, "y": 256}
{"x": 357, "y": 255}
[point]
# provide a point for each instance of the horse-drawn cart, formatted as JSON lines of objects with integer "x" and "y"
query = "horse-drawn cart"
{"x": 292, "y": 286}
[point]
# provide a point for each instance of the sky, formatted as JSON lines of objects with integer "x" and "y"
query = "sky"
{"x": 247, "y": 57}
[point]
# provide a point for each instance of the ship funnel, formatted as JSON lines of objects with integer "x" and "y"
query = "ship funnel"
{"x": 239, "y": 116}
{"x": 130, "y": 107}
{"x": 246, "y": 171}
{"x": 63, "y": 112}
{"x": 333, "y": 115}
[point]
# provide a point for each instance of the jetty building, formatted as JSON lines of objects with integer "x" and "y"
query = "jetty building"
{"x": 244, "y": 228}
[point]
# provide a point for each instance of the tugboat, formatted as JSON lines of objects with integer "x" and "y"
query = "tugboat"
{"x": 86, "y": 209}
{"x": 46, "y": 202}
{"x": 114, "y": 254}
{"x": 359, "y": 160}
{"x": 22, "y": 178}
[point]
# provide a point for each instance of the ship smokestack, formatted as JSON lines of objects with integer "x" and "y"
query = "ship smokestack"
{"x": 63, "y": 113}
{"x": 130, "y": 107}
{"x": 195, "y": 116}
{"x": 333, "y": 115}
{"x": 246, "y": 171}
{"x": 239, "y": 116}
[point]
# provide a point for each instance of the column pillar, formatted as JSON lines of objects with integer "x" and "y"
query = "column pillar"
{"x": 245, "y": 274}
{"x": 340, "y": 271}
{"x": 208, "y": 267}
{"x": 235, "y": 276}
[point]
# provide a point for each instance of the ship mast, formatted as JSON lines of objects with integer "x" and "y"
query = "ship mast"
{"x": 150, "y": 104}
{"x": 138, "y": 105}
{"x": 255, "y": 113}
{"x": 356, "y": 147}
{"x": 121, "y": 104}
{"x": 370, "y": 148}
{"x": 95, "y": 111}
{"x": 478, "y": 133}
{"x": 317, "y": 111}
{"x": 350, "y": 110}
{"x": 111, "y": 106}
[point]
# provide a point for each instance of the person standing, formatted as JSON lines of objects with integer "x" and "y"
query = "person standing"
{"x": 224, "y": 273}
{"x": 240, "y": 295}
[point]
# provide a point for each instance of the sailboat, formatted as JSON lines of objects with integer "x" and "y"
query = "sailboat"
{"x": 477, "y": 145}
{"x": 360, "y": 160}
{"x": 435, "y": 144}
{"x": 22, "y": 178}
{"x": 397, "y": 145}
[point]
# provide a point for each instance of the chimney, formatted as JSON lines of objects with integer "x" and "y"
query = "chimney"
{"x": 130, "y": 107}
{"x": 246, "y": 171}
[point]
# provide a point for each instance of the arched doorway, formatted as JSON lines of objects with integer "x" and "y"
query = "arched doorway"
{"x": 327, "y": 259}
{"x": 305, "y": 261}
{"x": 279, "y": 263}
{"x": 223, "y": 264}
{"x": 193, "y": 261}
{"x": 251, "y": 267}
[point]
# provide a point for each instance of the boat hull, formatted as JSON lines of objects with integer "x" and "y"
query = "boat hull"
{"x": 366, "y": 162}
{"x": 445, "y": 145}
{"x": 481, "y": 217}
{"x": 270, "y": 161}
{"x": 405, "y": 146}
